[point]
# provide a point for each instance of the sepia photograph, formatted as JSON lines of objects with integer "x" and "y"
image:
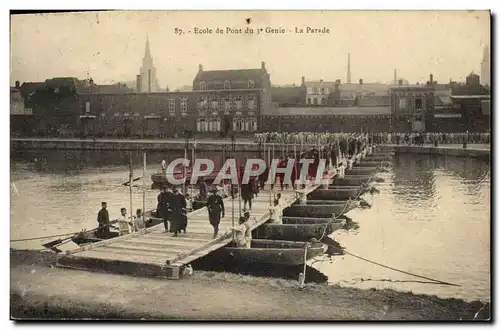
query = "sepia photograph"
{"x": 307, "y": 165}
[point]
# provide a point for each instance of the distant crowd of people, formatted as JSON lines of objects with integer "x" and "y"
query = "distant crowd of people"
{"x": 379, "y": 138}
{"x": 432, "y": 138}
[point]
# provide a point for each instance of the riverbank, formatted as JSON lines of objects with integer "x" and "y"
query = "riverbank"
{"x": 39, "y": 290}
{"x": 211, "y": 144}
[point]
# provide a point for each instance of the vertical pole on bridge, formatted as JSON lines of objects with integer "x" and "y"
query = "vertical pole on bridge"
{"x": 269, "y": 173}
{"x": 144, "y": 187}
{"x": 131, "y": 175}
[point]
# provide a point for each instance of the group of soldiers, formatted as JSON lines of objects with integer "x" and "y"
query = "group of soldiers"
{"x": 125, "y": 225}
{"x": 318, "y": 139}
{"x": 172, "y": 207}
{"x": 321, "y": 139}
{"x": 432, "y": 138}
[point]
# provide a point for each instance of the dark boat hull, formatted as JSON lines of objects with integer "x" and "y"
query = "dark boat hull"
{"x": 334, "y": 194}
{"x": 271, "y": 252}
{"x": 294, "y": 232}
{"x": 324, "y": 202}
{"x": 361, "y": 171}
{"x": 317, "y": 211}
{"x": 352, "y": 180}
{"x": 160, "y": 179}
{"x": 377, "y": 158}
{"x": 364, "y": 163}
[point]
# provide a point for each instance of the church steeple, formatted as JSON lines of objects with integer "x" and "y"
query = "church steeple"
{"x": 147, "y": 53}
{"x": 148, "y": 80}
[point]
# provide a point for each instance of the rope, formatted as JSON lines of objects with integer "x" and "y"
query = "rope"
{"x": 41, "y": 237}
{"x": 392, "y": 268}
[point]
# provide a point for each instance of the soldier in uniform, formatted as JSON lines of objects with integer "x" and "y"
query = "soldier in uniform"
{"x": 103, "y": 220}
{"x": 215, "y": 206}
{"x": 165, "y": 207}
{"x": 179, "y": 217}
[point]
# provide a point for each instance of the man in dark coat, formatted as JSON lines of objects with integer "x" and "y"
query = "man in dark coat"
{"x": 203, "y": 189}
{"x": 215, "y": 206}
{"x": 165, "y": 207}
{"x": 103, "y": 220}
{"x": 247, "y": 195}
{"x": 179, "y": 217}
{"x": 333, "y": 156}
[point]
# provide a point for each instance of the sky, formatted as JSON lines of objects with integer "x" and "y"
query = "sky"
{"x": 109, "y": 46}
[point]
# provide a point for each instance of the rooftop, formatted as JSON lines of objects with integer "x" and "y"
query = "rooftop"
{"x": 231, "y": 75}
{"x": 328, "y": 111}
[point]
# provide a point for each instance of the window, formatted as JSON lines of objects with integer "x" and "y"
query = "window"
{"x": 184, "y": 106}
{"x": 214, "y": 125}
{"x": 201, "y": 125}
{"x": 315, "y": 90}
{"x": 227, "y": 103}
{"x": 308, "y": 100}
{"x": 418, "y": 103}
{"x": 238, "y": 100}
{"x": 214, "y": 103}
{"x": 227, "y": 85}
{"x": 322, "y": 90}
{"x": 251, "y": 84}
{"x": 203, "y": 85}
{"x": 237, "y": 124}
{"x": 327, "y": 90}
{"x": 233, "y": 103}
{"x": 315, "y": 101}
{"x": 221, "y": 103}
{"x": 402, "y": 104}
{"x": 323, "y": 101}
{"x": 87, "y": 107}
{"x": 202, "y": 103}
{"x": 251, "y": 102}
{"x": 171, "y": 107}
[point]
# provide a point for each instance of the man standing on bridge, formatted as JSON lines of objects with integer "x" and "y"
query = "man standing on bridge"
{"x": 215, "y": 206}
{"x": 164, "y": 206}
{"x": 179, "y": 217}
{"x": 103, "y": 220}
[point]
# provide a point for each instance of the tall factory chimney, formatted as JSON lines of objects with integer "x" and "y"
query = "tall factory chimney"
{"x": 348, "y": 68}
{"x": 149, "y": 81}
{"x": 138, "y": 83}
{"x": 395, "y": 77}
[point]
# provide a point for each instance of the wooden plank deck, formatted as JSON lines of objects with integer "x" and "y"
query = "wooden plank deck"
{"x": 159, "y": 253}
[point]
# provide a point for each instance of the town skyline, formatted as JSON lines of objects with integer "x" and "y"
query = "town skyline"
{"x": 449, "y": 46}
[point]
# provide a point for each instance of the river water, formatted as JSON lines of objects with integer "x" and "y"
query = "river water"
{"x": 431, "y": 218}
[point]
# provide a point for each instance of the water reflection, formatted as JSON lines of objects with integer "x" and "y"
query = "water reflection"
{"x": 413, "y": 180}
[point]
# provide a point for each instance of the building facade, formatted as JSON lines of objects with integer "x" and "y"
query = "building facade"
{"x": 318, "y": 92}
{"x": 410, "y": 105}
{"x": 327, "y": 119}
